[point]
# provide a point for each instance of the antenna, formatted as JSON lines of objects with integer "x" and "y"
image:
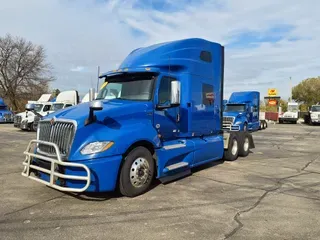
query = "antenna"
{"x": 290, "y": 87}
{"x": 169, "y": 63}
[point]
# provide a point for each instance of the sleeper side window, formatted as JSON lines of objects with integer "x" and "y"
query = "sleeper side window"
{"x": 164, "y": 94}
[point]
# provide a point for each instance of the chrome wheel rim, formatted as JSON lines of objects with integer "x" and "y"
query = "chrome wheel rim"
{"x": 246, "y": 144}
{"x": 234, "y": 147}
{"x": 139, "y": 172}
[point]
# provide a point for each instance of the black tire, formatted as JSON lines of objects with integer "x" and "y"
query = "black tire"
{"x": 244, "y": 146}
{"x": 266, "y": 125}
{"x": 229, "y": 155}
{"x": 32, "y": 127}
{"x": 280, "y": 121}
{"x": 245, "y": 127}
{"x": 126, "y": 187}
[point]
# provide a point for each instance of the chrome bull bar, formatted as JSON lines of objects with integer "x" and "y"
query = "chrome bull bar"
{"x": 53, "y": 164}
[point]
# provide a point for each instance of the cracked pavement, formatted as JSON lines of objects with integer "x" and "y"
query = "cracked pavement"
{"x": 274, "y": 193}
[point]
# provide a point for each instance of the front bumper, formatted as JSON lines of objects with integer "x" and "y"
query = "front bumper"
{"x": 315, "y": 120}
{"x": 231, "y": 127}
{"x": 287, "y": 119}
{"x": 6, "y": 120}
{"x": 94, "y": 175}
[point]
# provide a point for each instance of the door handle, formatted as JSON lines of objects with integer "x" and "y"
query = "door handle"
{"x": 178, "y": 117}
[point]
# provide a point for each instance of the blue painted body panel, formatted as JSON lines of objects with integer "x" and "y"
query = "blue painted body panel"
{"x": 251, "y": 101}
{"x": 104, "y": 173}
{"x": 127, "y": 122}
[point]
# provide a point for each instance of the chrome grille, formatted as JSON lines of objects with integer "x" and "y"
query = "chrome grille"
{"x": 227, "y": 122}
{"x": 60, "y": 133}
{"x": 228, "y": 119}
{"x": 36, "y": 122}
{"x": 17, "y": 119}
{"x": 7, "y": 116}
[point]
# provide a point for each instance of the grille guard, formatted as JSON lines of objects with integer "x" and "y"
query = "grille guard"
{"x": 53, "y": 164}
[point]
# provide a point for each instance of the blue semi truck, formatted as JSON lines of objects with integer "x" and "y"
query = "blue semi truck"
{"x": 6, "y": 116}
{"x": 159, "y": 116}
{"x": 242, "y": 112}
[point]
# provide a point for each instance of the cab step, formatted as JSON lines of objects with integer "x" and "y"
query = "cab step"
{"x": 175, "y": 166}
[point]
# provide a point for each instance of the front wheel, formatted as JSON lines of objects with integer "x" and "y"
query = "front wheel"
{"x": 137, "y": 172}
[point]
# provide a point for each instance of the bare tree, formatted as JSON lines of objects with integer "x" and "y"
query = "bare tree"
{"x": 24, "y": 73}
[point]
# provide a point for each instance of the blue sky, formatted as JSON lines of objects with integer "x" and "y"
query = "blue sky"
{"x": 266, "y": 41}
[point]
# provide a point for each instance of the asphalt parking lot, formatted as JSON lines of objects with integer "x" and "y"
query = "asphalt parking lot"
{"x": 274, "y": 193}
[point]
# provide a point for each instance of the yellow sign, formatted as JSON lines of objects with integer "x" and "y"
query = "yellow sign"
{"x": 272, "y": 92}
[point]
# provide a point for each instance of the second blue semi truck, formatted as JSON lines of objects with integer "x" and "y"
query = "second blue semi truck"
{"x": 159, "y": 116}
{"x": 6, "y": 116}
{"x": 242, "y": 112}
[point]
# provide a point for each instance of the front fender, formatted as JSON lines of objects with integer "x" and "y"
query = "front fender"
{"x": 122, "y": 136}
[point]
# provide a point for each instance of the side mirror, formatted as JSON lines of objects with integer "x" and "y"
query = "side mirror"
{"x": 96, "y": 105}
{"x": 29, "y": 107}
{"x": 175, "y": 93}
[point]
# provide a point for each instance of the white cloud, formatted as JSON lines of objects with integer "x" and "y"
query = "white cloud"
{"x": 91, "y": 33}
{"x": 77, "y": 69}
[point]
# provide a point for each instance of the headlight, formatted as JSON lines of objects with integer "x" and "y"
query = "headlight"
{"x": 238, "y": 123}
{"x": 96, "y": 147}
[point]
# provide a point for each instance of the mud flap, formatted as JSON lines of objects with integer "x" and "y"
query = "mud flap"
{"x": 251, "y": 142}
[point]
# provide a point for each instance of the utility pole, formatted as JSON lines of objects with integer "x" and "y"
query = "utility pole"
{"x": 290, "y": 90}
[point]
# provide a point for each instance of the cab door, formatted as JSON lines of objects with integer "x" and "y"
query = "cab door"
{"x": 166, "y": 118}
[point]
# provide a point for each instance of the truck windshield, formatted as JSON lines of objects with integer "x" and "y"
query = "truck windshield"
{"x": 56, "y": 106}
{"x": 315, "y": 108}
{"x": 235, "y": 108}
{"x": 293, "y": 108}
{"x": 138, "y": 88}
{"x": 38, "y": 107}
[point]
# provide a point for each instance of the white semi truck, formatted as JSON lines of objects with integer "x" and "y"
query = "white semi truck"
{"x": 63, "y": 100}
{"x": 314, "y": 115}
{"x": 42, "y": 106}
{"x": 291, "y": 115}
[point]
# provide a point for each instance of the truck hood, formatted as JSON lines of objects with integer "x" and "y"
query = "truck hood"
{"x": 233, "y": 114}
{"x": 113, "y": 109}
{"x": 290, "y": 114}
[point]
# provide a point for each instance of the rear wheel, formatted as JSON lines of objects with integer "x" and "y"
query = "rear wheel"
{"x": 232, "y": 152}
{"x": 136, "y": 173}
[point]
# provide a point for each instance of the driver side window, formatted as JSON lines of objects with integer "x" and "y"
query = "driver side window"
{"x": 164, "y": 94}
{"x": 46, "y": 108}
